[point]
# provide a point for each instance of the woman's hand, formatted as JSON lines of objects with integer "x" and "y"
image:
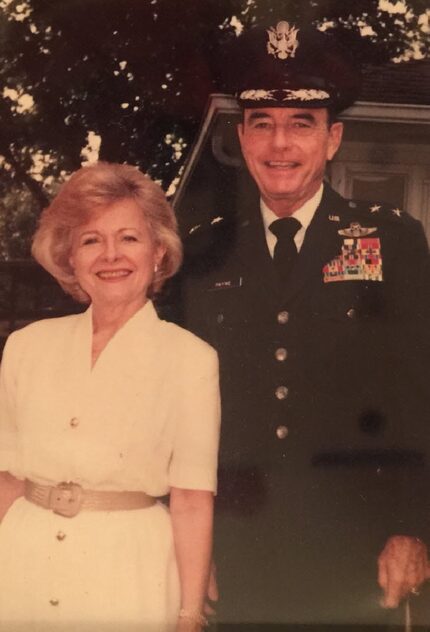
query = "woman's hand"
{"x": 186, "y": 624}
{"x": 10, "y": 489}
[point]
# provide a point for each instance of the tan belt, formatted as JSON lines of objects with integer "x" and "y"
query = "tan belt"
{"x": 68, "y": 499}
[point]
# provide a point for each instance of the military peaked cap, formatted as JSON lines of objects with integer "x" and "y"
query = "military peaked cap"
{"x": 285, "y": 65}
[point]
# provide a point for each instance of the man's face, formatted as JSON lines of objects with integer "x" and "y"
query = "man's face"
{"x": 286, "y": 150}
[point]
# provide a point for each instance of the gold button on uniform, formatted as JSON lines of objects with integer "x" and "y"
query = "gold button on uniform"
{"x": 281, "y": 392}
{"x": 281, "y": 432}
{"x": 351, "y": 313}
{"x": 220, "y": 318}
{"x": 283, "y": 317}
{"x": 281, "y": 354}
{"x": 60, "y": 536}
{"x": 74, "y": 422}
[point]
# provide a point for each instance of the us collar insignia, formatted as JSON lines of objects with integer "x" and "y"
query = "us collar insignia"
{"x": 357, "y": 230}
{"x": 282, "y": 40}
{"x": 334, "y": 218}
{"x": 360, "y": 260}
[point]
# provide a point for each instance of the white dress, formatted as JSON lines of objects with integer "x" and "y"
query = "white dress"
{"x": 146, "y": 417}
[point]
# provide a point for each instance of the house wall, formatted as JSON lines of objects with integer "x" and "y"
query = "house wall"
{"x": 387, "y": 162}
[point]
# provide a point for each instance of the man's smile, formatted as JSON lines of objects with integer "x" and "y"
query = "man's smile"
{"x": 281, "y": 164}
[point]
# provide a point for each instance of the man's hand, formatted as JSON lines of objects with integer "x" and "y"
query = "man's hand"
{"x": 402, "y": 568}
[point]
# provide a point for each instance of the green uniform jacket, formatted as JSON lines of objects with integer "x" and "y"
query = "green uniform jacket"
{"x": 324, "y": 382}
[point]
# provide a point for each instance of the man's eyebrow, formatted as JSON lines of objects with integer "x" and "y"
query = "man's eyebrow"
{"x": 306, "y": 116}
{"x": 258, "y": 115}
{"x": 301, "y": 116}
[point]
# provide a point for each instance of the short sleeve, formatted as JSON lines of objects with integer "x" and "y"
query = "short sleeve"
{"x": 8, "y": 427}
{"x": 195, "y": 450}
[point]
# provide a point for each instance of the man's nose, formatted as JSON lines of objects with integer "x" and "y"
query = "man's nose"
{"x": 282, "y": 136}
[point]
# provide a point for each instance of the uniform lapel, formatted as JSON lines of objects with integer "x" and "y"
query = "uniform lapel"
{"x": 253, "y": 253}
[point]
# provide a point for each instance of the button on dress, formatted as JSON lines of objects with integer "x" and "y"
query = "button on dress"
{"x": 145, "y": 417}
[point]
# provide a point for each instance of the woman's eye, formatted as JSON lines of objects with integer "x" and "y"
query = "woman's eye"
{"x": 129, "y": 238}
{"x": 87, "y": 241}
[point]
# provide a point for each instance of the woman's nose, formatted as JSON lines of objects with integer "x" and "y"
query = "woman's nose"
{"x": 111, "y": 250}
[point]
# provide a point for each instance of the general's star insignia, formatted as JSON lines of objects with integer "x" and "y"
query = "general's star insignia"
{"x": 397, "y": 212}
{"x": 375, "y": 208}
{"x": 193, "y": 229}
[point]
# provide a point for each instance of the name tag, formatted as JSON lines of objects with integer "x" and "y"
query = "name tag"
{"x": 228, "y": 284}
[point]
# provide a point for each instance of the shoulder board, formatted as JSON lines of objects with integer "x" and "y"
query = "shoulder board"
{"x": 378, "y": 211}
{"x": 210, "y": 235}
{"x": 206, "y": 224}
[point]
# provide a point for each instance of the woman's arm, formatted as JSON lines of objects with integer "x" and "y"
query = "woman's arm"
{"x": 192, "y": 517}
{"x": 11, "y": 488}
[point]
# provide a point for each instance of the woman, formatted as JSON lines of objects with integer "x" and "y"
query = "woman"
{"x": 100, "y": 414}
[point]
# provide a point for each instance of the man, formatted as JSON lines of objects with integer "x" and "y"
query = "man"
{"x": 321, "y": 321}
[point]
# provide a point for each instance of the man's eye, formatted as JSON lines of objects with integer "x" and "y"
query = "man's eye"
{"x": 260, "y": 125}
{"x": 302, "y": 125}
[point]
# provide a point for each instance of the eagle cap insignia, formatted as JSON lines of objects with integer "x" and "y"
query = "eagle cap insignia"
{"x": 282, "y": 40}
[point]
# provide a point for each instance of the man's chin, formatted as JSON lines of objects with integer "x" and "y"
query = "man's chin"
{"x": 282, "y": 194}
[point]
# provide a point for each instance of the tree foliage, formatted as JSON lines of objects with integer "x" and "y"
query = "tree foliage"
{"x": 137, "y": 74}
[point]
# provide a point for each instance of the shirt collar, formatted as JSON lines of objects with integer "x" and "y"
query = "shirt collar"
{"x": 304, "y": 214}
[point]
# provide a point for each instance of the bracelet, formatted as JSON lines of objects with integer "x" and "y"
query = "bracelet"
{"x": 193, "y": 615}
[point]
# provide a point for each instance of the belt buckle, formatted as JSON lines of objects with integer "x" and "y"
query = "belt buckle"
{"x": 66, "y": 499}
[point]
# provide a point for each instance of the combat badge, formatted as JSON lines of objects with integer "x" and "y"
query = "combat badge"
{"x": 357, "y": 230}
{"x": 360, "y": 260}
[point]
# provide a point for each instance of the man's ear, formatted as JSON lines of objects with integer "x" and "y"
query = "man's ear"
{"x": 335, "y": 139}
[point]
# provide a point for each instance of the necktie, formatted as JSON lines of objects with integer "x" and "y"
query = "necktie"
{"x": 285, "y": 253}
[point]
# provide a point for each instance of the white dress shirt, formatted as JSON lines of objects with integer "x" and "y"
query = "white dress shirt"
{"x": 304, "y": 214}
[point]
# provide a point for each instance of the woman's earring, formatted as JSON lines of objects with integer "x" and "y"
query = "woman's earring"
{"x": 156, "y": 268}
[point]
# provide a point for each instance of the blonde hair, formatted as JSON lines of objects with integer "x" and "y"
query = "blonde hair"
{"x": 87, "y": 192}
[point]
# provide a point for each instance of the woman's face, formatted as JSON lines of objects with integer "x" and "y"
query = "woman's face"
{"x": 113, "y": 256}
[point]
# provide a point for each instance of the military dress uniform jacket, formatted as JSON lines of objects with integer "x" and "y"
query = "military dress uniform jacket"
{"x": 324, "y": 426}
